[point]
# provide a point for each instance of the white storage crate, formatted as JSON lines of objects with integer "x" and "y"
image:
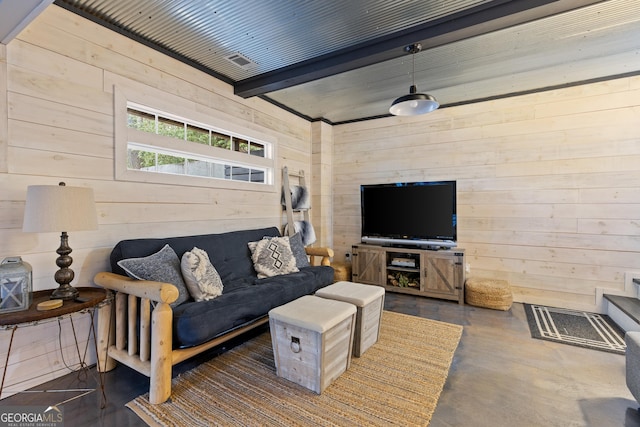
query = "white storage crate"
{"x": 312, "y": 340}
{"x": 369, "y": 300}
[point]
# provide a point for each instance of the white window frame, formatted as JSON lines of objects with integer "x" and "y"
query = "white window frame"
{"x": 191, "y": 156}
{"x": 170, "y": 106}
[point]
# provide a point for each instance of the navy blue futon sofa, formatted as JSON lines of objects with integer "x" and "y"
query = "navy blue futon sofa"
{"x": 151, "y": 336}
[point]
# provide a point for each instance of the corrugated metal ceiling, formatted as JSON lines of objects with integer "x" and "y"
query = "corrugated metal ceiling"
{"x": 468, "y": 54}
{"x": 274, "y": 33}
{"x": 589, "y": 43}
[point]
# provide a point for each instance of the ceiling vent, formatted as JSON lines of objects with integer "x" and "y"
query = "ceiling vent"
{"x": 241, "y": 61}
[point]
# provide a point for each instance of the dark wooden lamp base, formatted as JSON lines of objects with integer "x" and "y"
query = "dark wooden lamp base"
{"x": 65, "y": 275}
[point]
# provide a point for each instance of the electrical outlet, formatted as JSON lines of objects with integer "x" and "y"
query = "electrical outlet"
{"x": 347, "y": 256}
{"x": 467, "y": 268}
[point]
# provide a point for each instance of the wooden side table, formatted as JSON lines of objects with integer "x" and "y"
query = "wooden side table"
{"x": 12, "y": 321}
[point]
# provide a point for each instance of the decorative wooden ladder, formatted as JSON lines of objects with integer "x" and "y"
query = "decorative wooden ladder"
{"x": 286, "y": 189}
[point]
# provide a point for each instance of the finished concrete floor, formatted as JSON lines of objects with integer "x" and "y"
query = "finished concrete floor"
{"x": 503, "y": 377}
{"x": 500, "y": 377}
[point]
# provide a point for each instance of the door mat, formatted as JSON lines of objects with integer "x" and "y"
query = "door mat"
{"x": 579, "y": 328}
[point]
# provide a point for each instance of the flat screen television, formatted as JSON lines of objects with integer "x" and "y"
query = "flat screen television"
{"x": 409, "y": 213}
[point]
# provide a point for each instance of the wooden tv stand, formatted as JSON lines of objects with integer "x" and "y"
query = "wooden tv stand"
{"x": 429, "y": 273}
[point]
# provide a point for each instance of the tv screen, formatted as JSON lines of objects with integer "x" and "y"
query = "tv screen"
{"x": 415, "y": 212}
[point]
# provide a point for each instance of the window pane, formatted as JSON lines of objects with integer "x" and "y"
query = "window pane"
{"x": 166, "y": 159}
{"x": 197, "y": 134}
{"x": 239, "y": 174}
{"x": 168, "y": 127}
{"x": 217, "y": 170}
{"x": 141, "y": 160}
{"x": 196, "y": 168}
{"x": 170, "y": 164}
{"x": 256, "y": 149}
{"x": 142, "y": 121}
{"x": 137, "y": 159}
{"x": 220, "y": 140}
{"x": 257, "y": 175}
{"x": 240, "y": 145}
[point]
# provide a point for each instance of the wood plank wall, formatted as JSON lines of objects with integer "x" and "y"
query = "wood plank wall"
{"x": 56, "y": 92}
{"x": 4, "y": 133}
{"x": 548, "y": 184}
{"x": 321, "y": 185}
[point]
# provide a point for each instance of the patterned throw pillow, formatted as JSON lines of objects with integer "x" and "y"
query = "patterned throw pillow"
{"x": 272, "y": 257}
{"x": 163, "y": 266}
{"x": 202, "y": 279}
{"x": 297, "y": 249}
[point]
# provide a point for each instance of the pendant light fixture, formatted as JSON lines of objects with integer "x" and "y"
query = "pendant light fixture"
{"x": 415, "y": 103}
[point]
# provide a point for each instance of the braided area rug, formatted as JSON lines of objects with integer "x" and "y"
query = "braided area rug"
{"x": 396, "y": 382}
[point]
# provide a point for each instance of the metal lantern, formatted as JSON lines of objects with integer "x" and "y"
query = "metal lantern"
{"x": 15, "y": 285}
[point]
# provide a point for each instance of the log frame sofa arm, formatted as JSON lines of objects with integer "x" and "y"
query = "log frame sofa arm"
{"x": 154, "y": 291}
{"x": 142, "y": 348}
{"x": 148, "y": 351}
{"x": 325, "y": 253}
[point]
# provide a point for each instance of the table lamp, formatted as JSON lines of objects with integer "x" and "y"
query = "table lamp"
{"x": 60, "y": 208}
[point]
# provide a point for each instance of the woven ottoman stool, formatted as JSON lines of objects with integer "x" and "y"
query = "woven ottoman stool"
{"x": 341, "y": 271}
{"x": 489, "y": 293}
{"x": 369, "y": 300}
{"x": 312, "y": 339}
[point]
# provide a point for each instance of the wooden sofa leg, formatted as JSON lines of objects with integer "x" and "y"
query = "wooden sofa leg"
{"x": 161, "y": 358}
{"x": 105, "y": 337}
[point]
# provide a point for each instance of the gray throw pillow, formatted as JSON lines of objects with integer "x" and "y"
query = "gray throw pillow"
{"x": 272, "y": 257}
{"x": 297, "y": 248}
{"x": 163, "y": 266}
{"x": 202, "y": 279}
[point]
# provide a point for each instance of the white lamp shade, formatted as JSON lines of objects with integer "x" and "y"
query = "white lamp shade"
{"x": 59, "y": 208}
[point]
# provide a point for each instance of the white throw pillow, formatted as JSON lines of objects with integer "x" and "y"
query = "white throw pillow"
{"x": 202, "y": 279}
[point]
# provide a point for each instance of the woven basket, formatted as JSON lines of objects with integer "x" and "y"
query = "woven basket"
{"x": 342, "y": 272}
{"x": 489, "y": 293}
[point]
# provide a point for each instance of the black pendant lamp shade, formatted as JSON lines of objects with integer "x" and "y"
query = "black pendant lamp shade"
{"x": 414, "y": 103}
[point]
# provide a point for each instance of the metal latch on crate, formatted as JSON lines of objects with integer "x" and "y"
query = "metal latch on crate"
{"x": 295, "y": 344}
